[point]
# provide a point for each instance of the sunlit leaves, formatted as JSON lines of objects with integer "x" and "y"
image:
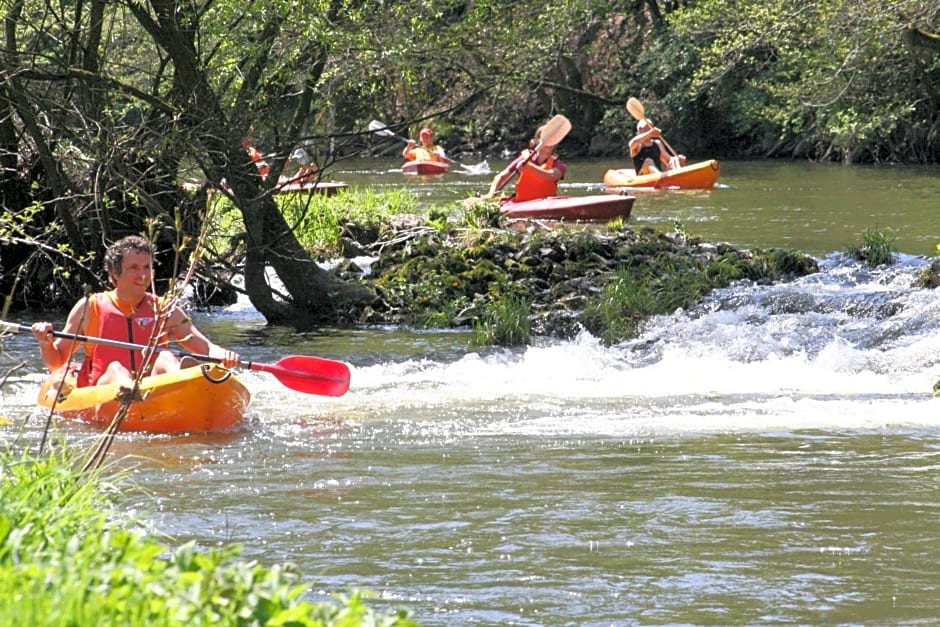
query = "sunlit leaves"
{"x": 820, "y": 69}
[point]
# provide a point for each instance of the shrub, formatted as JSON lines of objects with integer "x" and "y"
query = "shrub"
{"x": 68, "y": 556}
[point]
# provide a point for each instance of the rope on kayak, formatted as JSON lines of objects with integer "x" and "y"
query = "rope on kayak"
{"x": 207, "y": 368}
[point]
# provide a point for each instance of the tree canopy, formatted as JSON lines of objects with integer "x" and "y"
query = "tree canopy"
{"x": 113, "y": 112}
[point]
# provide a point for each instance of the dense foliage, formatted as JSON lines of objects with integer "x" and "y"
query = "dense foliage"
{"x": 833, "y": 80}
{"x": 111, "y": 113}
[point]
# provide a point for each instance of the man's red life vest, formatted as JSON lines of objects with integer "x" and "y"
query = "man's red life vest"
{"x": 107, "y": 319}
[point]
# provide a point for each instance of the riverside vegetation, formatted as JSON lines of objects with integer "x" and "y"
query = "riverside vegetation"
{"x": 70, "y": 556}
{"x": 472, "y": 267}
{"x": 509, "y": 281}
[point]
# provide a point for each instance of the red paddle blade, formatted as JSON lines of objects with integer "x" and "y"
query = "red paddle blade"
{"x": 311, "y": 375}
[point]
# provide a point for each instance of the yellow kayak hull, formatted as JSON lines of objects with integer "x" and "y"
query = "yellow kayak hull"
{"x": 702, "y": 175}
{"x": 199, "y": 399}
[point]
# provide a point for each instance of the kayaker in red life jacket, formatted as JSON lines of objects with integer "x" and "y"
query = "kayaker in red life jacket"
{"x": 306, "y": 167}
{"x": 539, "y": 172}
{"x": 248, "y": 144}
{"x": 648, "y": 153}
{"x": 128, "y": 313}
{"x": 427, "y": 151}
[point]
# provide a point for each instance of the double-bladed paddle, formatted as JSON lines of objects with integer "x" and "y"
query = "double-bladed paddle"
{"x": 552, "y": 133}
{"x": 303, "y": 373}
{"x": 382, "y": 129}
{"x": 635, "y": 107}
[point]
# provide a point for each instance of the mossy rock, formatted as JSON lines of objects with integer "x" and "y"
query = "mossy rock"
{"x": 569, "y": 277}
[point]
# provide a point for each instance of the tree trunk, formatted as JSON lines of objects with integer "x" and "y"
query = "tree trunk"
{"x": 311, "y": 294}
{"x": 19, "y": 100}
{"x": 922, "y": 39}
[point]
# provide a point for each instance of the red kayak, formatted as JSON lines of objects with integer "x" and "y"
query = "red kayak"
{"x": 606, "y": 207}
{"x": 425, "y": 168}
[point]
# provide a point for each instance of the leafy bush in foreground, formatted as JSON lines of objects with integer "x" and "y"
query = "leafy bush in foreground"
{"x": 68, "y": 557}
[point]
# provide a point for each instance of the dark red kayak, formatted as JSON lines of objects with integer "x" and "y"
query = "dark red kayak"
{"x": 603, "y": 207}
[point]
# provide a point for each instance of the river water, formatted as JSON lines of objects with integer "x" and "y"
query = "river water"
{"x": 771, "y": 456}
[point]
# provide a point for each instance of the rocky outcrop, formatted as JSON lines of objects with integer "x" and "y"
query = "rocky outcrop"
{"x": 424, "y": 275}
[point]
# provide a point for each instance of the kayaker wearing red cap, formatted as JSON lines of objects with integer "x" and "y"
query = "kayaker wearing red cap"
{"x": 427, "y": 151}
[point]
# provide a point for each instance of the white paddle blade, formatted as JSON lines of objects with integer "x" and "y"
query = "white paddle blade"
{"x": 379, "y": 128}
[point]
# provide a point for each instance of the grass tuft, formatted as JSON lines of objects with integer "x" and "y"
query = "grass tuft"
{"x": 877, "y": 248}
{"x": 504, "y": 322}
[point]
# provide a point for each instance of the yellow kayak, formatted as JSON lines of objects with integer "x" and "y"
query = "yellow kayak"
{"x": 701, "y": 175}
{"x": 198, "y": 399}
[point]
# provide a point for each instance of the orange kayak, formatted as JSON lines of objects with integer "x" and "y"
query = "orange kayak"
{"x": 198, "y": 399}
{"x": 702, "y": 175}
{"x": 425, "y": 168}
{"x": 601, "y": 207}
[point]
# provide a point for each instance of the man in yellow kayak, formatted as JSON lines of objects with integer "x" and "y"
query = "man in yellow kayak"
{"x": 649, "y": 155}
{"x": 128, "y": 313}
{"x": 427, "y": 151}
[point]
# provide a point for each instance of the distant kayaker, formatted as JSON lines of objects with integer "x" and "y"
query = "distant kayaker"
{"x": 539, "y": 169}
{"x": 427, "y": 151}
{"x": 306, "y": 167}
{"x": 248, "y": 143}
{"x": 128, "y": 313}
{"x": 649, "y": 155}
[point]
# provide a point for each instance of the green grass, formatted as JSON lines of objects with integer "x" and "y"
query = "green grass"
{"x": 618, "y": 312}
{"x": 481, "y": 213}
{"x": 877, "y": 248}
{"x": 68, "y": 556}
{"x": 504, "y": 322}
{"x": 319, "y": 221}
